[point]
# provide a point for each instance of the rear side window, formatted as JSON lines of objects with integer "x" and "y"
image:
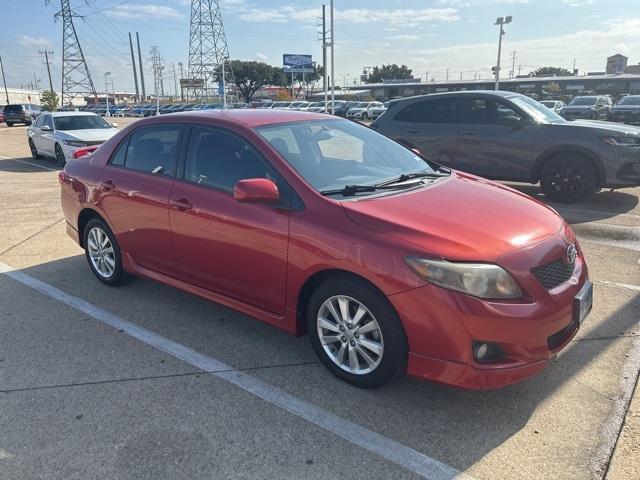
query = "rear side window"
{"x": 429, "y": 111}
{"x": 483, "y": 111}
{"x": 13, "y": 109}
{"x": 150, "y": 150}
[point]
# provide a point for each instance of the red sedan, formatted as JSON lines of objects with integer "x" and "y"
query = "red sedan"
{"x": 391, "y": 263}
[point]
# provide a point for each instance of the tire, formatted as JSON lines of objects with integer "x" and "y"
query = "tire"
{"x": 387, "y": 346}
{"x": 60, "y": 158}
{"x": 568, "y": 178}
{"x": 365, "y": 116}
{"x": 110, "y": 272}
{"x": 9, "y": 124}
{"x": 34, "y": 152}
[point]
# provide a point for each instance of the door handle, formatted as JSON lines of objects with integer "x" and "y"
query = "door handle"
{"x": 413, "y": 130}
{"x": 182, "y": 204}
{"x": 468, "y": 132}
{"x": 108, "y": 185}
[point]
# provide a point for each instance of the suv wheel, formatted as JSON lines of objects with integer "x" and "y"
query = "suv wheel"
{"x": 60, "y": 158}
{"x": 568, "y": 178}
{"x": 34, "y": 152}
{"x": 356, "y": 333}
{"x": 9, "y": 124}
{"x": 103, "y": 253}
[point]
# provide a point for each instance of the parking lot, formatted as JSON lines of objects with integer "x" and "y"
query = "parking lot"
{"x": 146, "y": 381}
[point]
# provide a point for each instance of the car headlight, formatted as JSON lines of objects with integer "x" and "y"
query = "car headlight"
{"x": 75, "y": 143}
{"x": 482, "y": 280}
{"x": 622, "y": 141}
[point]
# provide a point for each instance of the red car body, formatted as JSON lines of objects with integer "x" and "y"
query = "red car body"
{"x": 261, "y": 260}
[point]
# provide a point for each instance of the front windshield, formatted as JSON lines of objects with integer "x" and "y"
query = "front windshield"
{"x": 584, "y": 101}
{"x": 362, "y": 105}
{"x": 634, "y": 100}
{"x": 79, "y": 122}
{"x": 330, "y": 154}
{"x": 536, "y": 110}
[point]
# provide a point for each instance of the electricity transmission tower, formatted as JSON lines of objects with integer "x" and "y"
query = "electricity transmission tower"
{"x": 76, "y": 79}
{"x": 209, "y": 61}
{"x": 156, "y": 66}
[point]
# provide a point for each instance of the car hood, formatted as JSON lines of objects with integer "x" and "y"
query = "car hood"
{"x": 462, "y": 217}
{"x": 88, "y": 135}
{"x": 604, "y": 127}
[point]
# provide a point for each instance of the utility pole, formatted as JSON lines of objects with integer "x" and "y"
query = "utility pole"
{"x": 460, "y": 75}
{"x": 46, "y": 59}
{"x": 181, "y": 77}
{"x": 519, "y": 69}
{"x": 133, "y": 63}
{"x": 333, "y": 64}
{"x": 447, "y": 74}
{"x": 106, "y": 92}
{"x": 157, "y": 75}
{"x": 76, "y": 79}
{"x": 513, "y": 64}
{"x": 144, "y": 93}
{"x": 574, "y": 67}
{"x": 175, "y": 81}
{"x": 502, "y": 21}
{"x": 4, "y": 82}
{"x": 324, "y": 56}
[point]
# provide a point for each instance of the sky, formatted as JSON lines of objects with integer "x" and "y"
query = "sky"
{"x": 432, "y": 37}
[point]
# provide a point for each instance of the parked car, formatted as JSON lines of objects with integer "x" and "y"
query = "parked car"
{"x": 507, "y": 136}
{"x": 555, "y": 105}
{"x": 343, "y": 107}
{"x": 302, "y": 105}
{"x": 627, "y": 110}
{"x": 375, "y": 112}
{"x": 2, "y": 117}
{"x": 317, "y": 107}
{"x": 280, "y": 105}
{"x": 361, "y": 111}
{"x": 59, "y": 134}
{"x": 25, "y": 113}
{"x": 592, "y": 107}
{"x": 391, "y": 263}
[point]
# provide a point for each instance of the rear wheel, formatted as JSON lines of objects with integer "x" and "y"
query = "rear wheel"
{"x": 9, "y": 124}
{"x": 60, "y": 158}
{"x": 34, "y": 152}
{"x": 103, "y": 253}
{"x": 568, "y": 178}
{"x": 356, "y": 333}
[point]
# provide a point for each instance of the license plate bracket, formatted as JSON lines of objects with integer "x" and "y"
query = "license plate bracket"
{"x": 583, "y": 302}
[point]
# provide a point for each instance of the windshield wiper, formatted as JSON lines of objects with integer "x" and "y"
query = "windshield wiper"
{"x": 409, "y": 176}
{"x": 349, "y": 190}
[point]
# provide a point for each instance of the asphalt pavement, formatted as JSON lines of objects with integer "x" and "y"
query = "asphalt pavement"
{"x": 148, "y": 382}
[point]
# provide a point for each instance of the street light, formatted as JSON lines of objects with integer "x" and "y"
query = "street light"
{"x": 106, "y": 91}
{"x": 502, "y": 21}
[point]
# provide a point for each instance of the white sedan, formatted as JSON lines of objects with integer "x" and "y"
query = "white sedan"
{"x": 59, "y": 134}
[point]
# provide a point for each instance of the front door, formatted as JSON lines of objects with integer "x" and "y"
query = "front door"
{"x": 135, "y": 187}
{"x": 496, "y": 139}
{"x": 232, "y": 248}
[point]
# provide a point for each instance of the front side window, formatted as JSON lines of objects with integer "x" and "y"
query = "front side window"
{"x": 39, "y": 121}
{"x": 48, "y": 121}
{"x": 484, "y": 111}
{"x": 220, "y": 159}
{"x": 151, "y": 150}
{"x": 430, "y": 111}
{"x": 330, "y": 154}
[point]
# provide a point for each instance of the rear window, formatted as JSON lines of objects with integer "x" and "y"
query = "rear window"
{"x": 13, "y": 109}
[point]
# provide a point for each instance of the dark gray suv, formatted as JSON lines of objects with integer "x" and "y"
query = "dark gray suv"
{"x": 21, "y": 113}
{"x": 507, "y": 136}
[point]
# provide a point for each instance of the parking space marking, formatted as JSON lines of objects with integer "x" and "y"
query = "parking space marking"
{"x": 29, "y": 163}
{"x": 385, "y": 447}
{"x": 621, "y": 285}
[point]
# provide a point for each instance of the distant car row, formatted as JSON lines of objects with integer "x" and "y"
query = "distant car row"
{"x": 598, "y": 107}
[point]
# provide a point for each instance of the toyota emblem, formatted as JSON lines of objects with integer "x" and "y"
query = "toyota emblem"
{"x": 572, "y": 252}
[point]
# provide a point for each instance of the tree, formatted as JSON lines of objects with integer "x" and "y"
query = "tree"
{"x": 49, "y": 100}
{"x": 553, "y": 89}
{"x": 550, "y": 72}
{"x": 250, "y": 76}
{"x": 389, "y": 72}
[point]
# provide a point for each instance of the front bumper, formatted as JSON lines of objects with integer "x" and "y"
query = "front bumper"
{"x": 624, "y": 117}
{"x": 441, "y": 324}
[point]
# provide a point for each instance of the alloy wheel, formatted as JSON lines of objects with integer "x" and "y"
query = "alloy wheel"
{"x": 101, "y": 252}
{"x": 568, "y": 177}
{"x": 350, "y": 335}
{"x": 60, "y": 156}
{"x": 34, "y": 152}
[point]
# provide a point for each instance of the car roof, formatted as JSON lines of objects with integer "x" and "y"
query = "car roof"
{"x": 495, "y": 93}
{"x": 72, "y": 114}
{"x": 251, "y": 118}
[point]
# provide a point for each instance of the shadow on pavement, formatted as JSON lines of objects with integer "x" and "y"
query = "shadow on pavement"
{"x": 455, "y": 426}
{"x": 15, "y": 165}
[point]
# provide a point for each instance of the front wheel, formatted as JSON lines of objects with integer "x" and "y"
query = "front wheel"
{"x": 103, "y": 253}
{"x": 34, "y": 151}
{"x": 9, "y": 124}
{"x": 60, "y": 158}
{"x": 568, "y": 178}
{"x": 356, "y": 333}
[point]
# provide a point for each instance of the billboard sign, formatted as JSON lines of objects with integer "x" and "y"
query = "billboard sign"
{"x": 192, "y": 83}
{"x": 295, "y": 63}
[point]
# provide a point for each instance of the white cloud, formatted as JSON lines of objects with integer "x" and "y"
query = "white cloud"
{"x": 28, "y": 41}
{"x": 578, "y": 3}
{"x": 146, "y": 12}
{"x": 262, "y": 56}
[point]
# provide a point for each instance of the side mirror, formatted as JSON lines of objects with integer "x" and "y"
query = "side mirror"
{"x": 45, "y": 128}
{"x": 114, "y": 124}
{"x": 256, "y": 190}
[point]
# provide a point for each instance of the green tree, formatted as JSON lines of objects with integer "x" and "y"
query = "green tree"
{"x": 553, "y": 89}
{"x": 389, "y": 72}
{"x": 250, "y": 76}
{"x": 49, "y": 100}
{"x": 550, "y": 72}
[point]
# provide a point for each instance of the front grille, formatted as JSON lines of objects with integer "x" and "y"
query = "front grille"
{"x": 552, "y": 274}
{"x": 559, "y": 338}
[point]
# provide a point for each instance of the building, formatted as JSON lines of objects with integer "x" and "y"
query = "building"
{"x": 616, "y": 63}
{"x": 19, "y": 95}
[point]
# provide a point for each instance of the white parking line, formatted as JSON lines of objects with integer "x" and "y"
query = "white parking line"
{"x": 620, "y": 285}
{"x": 387, "y": 448}
{"x": 29, "y": 163}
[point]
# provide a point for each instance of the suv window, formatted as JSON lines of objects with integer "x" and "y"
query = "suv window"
{"x": 429, "y": 111}
{"x": 484, "y": 111}
{"x": 48, "y": 121}
{"x": 151, "y": 150}
{"x": 13, "y": 109}
{"x": 220, "y": 159}
{"x": 39, "y": 121}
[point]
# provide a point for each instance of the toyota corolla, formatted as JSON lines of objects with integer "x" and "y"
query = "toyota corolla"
{"x": 391, "y": 263}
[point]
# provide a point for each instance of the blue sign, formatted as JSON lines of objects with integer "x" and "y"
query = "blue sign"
{"x": 294, "y": 63}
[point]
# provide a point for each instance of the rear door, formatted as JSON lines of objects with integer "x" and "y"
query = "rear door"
{"x": 496, "y": 138}
{"x": 431, "y": 126}
{"x": 236, "y": 249}
{"x": 135, "y": 187}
